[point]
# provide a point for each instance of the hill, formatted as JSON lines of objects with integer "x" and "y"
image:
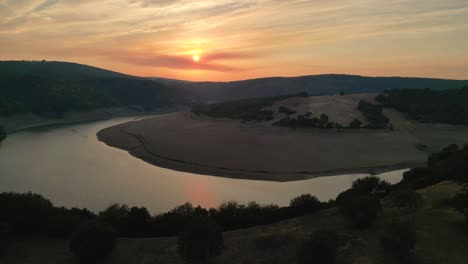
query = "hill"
{"x": 53, "y": 89}
{"x": 210, "y": 92}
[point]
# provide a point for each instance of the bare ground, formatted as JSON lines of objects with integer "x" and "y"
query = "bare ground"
{"x": 260, "y": 151}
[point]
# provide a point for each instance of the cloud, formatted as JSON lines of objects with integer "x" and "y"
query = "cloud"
{"x": 44, "y": 5}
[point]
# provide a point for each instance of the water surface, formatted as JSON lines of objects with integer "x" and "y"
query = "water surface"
{"x": 69, "y": 166}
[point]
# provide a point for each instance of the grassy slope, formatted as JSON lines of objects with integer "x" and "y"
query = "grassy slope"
{"x": 441, "y": 234}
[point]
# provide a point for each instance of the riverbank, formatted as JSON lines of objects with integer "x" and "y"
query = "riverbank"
{"x": 22, "y": 122}
{"x": 184, "y": 142}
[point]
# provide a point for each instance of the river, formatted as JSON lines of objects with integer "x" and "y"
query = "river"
{"x": 70, "y": 167}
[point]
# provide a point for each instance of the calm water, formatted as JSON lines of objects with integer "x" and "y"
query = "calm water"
{"x": 69, "y": 166}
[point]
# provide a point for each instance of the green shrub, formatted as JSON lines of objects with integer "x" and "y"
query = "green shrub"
{"x": 406, "y": 200}
{"x": 360, "y": 210}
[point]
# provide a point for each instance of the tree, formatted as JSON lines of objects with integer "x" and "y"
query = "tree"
{"x": 321, "y": 247}
{"x": 93, "y": 242}
{"x": 323, "y": 120}
{"x": 356, "y": 123}
{"x": 371, "y": 185}
{"x": 201, "y": 240}
{"x": 305, "y": 203}
{"x": 399, "y": 238}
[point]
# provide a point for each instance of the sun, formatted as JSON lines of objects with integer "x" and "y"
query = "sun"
{"x": 196, "y": 57}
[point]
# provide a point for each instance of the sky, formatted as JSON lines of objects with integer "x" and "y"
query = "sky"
{"x": 242, "y": 39}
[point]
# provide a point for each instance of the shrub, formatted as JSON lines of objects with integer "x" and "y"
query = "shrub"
{"x": 361, "y": 210}
{"x": 460, "y": 202}
{"x": 2, "y": 133}
{"x": 399, "y": 238}
{"x": 321, "y": 247}
{"x": 305, "y": 203}
{"x": 356, "y": 123}
{"x": 286, "y": 110}
{"x": 371, "y": 185}
{"x": 406, "y": 200}
{"x": 201, "y": 240}
{"x": 93, "y": 242}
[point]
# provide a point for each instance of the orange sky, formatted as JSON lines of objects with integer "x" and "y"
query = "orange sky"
{"x": 243, "y": 38}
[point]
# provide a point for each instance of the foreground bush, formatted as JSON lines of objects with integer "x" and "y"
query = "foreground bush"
{"x": 93, "y": 242}
{"x": 5, "y": 237}
{"x": 460, "y": 202}
{"x": 360, "y": 210}
{"x": 201, "y": 240}
{"x": 407, "y": 200}
{"x": 321, "y": 247}
{"x": 399, "y": 238}
{"x": 305, "y": 203}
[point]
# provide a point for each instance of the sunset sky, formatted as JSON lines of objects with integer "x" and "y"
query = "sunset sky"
{"x": 240, "y": 39}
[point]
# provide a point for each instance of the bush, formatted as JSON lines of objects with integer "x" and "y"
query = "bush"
{"x": 356, "y": 123}
{"x": 371, "y": 185}
{"x": 361, "y": 210}
{"x": 286, "y": 110}
{"x": 406, "y": 200}
{"x": 460, "y": 202}
{"x": 321, "y": 247}
{"x": 373, "y": 113}
{"x": 399, "y": 238}
{"x": 201, "y": 240}
{"x": 93, "y": 242}
{"x": 305, "y": 203}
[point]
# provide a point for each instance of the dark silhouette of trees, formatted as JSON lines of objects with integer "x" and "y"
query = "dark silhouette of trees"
{"x": 371, "y": 185}
{"x": 356, "y": 123}
{"x": 305, "y": 203}
{"x": 360, "y": 210}
{"x": 286, "y": 110}
{"x": 399, "y": 238}
{"x": 429, "y": 106}
{"x": 201, "y": 240}
{"x": 374, "y": 114}
{"x": 93, "y": 242}
{"x": 321, "y": 247}
{"x": 5, "y": 237}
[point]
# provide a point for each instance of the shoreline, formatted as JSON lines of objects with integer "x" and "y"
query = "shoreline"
{"x": 74, "y": 121}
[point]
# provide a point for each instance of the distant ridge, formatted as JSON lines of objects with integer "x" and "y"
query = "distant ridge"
{"x": 53, "y": 88}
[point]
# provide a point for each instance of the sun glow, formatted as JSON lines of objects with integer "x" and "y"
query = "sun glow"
{"x": 196, "y": 57}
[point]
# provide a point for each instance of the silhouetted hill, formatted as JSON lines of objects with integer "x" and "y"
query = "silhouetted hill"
{"x": 313, "y": 85}
{"x": 54, "y": 88}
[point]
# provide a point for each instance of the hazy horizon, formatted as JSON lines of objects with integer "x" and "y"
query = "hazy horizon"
{"x": 236, "y": 40}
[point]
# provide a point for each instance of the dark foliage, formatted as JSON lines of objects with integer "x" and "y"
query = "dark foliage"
{"x": 201, "y": 240}
{"x": 32, "y": 214}
{"x": 429, "y": 106}
{"x": 136, "y": 221}
{"x": 356, "y": 123}
{"x": 449, "y": 164}
{"x": 407, "y": 200}
{"x": 286, "y": 110}
{"x": 371, "y": 185}
{"x": 460, "y": 202}
{"x": 374, "y": 115}
{"x": 304, "y": 121}
{"x": 305, "y": 203}
{"x": 321, "y": 247}
{"x": 399, "y": 238}
{"x": 361, "y": 210}
{"x": 2, "y": 133}
{"x": 93, "y": 242}
{"x": 245, "y": 110}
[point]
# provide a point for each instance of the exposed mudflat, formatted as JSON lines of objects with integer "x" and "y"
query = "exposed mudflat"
{"x": 260, "y": 151}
